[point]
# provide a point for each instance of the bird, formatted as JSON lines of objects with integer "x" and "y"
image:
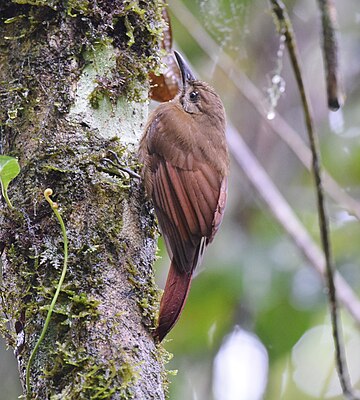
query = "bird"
{"x": 185, "y": 167}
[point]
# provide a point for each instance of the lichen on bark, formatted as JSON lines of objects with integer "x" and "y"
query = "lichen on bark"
{"x": 73, "y": 83}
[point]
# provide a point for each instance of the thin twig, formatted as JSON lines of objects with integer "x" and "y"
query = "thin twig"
{"x": 285, "y": 28}
{"x": 278, "y": 125}
{"x": 330, "y": 52}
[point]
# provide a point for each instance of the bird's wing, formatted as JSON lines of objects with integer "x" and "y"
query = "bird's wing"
{"x": 188, "y": 194}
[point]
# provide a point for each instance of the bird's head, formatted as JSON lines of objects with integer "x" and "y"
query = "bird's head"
{"x": 196, "y": 97}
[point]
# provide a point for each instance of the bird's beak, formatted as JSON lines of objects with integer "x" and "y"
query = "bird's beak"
{"x": 186, "y": 73}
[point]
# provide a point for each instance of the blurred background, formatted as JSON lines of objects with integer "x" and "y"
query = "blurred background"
{"x": 256, "y": 323}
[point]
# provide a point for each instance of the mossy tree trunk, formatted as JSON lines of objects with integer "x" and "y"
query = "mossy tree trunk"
{"x": 73, "y": 85}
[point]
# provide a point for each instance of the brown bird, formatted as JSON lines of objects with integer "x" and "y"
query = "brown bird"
{"x": 186, "y": 163}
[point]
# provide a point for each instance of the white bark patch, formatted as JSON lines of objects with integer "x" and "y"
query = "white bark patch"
{"x": 124, "y": 119}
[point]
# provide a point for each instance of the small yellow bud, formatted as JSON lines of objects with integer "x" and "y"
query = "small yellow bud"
{"x": 48, "y": 192}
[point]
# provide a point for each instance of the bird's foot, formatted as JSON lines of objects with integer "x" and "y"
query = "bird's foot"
{"x": 118, "y": 167}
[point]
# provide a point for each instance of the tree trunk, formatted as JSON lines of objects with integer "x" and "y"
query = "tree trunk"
{"x": 73, "y": 85}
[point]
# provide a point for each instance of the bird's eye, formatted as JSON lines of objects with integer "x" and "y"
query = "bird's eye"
{"x": 194, "y": 95}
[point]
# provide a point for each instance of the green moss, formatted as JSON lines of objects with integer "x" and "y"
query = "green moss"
{"x": 54, "y": 168}
{"x": 42, "y": 3}
{"x": 77, "y": 6}
{"x": 132, "y": 31}
{"x": 99, "y": 381}
{"x": 129, "y": 32}
{"x": 109, "y": 74}
{"x": 94, "y": 98}
{"x": 164, "y": 357}
{"x": 74, "y": 309}
{"x": 69, "y": 358}
{"x": 147, "y": 294}
{"x": 133, "y": 5}
{"x": 16, "y": 19}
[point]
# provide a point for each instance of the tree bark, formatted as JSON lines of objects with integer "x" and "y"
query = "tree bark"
{"x": 73, "y": 85}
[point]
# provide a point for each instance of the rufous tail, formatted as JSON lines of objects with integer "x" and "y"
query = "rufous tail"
{"x": 173, "y": 300}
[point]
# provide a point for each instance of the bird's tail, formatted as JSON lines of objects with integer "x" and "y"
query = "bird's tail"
{"x": 173, "y": 300}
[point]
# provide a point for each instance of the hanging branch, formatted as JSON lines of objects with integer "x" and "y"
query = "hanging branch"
{"x": 330, "y": 53}
{"x": 285, "y": 28}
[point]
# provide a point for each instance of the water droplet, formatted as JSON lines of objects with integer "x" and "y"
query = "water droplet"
{"x": 276, "y": 79}
{"x": 336, "y": 120}
{"x": 270, "y": 115}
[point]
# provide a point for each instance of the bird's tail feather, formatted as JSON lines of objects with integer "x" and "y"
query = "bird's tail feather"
{"x": 173, "y": 300}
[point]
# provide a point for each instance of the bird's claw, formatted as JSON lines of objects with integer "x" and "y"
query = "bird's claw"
{"x": 120, "y": 169}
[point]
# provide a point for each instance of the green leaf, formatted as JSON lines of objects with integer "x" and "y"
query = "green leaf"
{"x": 9, "y": 169}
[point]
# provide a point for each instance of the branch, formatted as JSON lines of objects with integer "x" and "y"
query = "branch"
{"x": 330, "y": 52}
{"x": 285, "y": 28}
